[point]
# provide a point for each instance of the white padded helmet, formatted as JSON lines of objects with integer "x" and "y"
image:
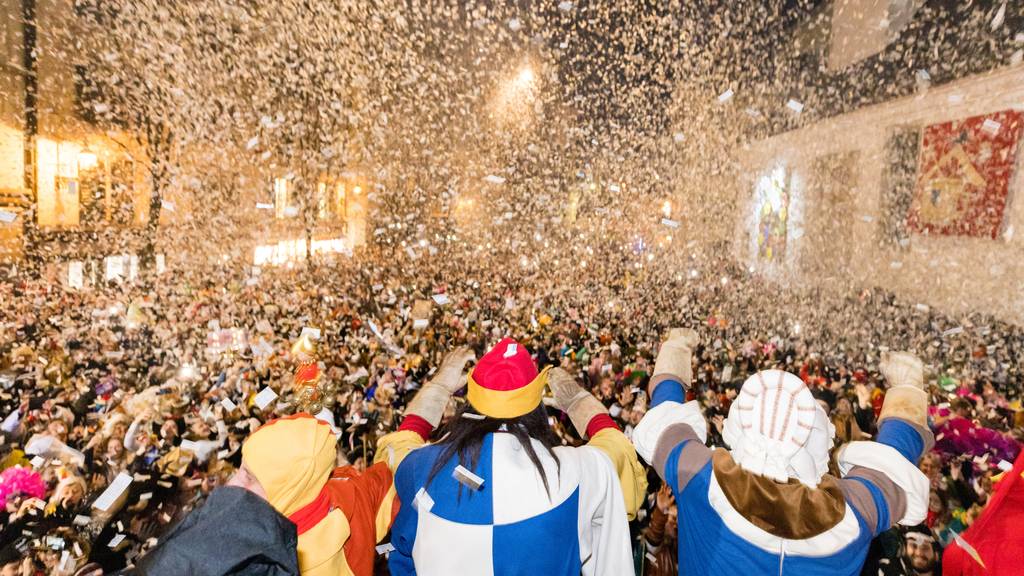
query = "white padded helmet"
{"x": 777, "y": 429}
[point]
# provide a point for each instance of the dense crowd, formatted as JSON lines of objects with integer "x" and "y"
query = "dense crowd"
{"x": 125, "y": 405}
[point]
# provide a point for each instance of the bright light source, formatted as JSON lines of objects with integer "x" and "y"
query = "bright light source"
{"x": 423, "y": 243}
{"x": 650, "y": 257}
{"x": 187, "y": 372}
{"x": 357, "y": 190}
{"x": 725, "y": 280}
{"x": 87, "y": 160}
{"x": 526, "y": 76}
{"x": 666, "y": 209}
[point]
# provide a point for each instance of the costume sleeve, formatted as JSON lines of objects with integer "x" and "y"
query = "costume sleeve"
{"x": 881, "y": 479}
{"x": 376, "y": 488}
{"x": 672, "y": 435}
{"x": 403, "y": 531}
{"x": 394, "y": 447}
{"x": 606, "y": 437}
{"x": 604, "y": 538}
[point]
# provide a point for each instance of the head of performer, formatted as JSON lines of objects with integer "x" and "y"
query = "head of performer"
{"x": 504, "y": 393}
{"x": 776, "y": 429}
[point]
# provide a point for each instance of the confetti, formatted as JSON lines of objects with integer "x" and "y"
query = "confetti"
{"x": 264, "y": 398}
{"x": 113, "y": 492}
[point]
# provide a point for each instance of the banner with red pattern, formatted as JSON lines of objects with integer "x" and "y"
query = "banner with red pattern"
{"x": 964, "y": 175}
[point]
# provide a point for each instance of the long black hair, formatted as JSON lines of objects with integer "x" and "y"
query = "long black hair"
{"x": 464, "y": 437}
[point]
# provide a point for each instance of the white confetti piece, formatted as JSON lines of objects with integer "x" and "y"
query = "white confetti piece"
{"x": 467, "y": 478}
{"x": 991, "y": 127}
{"x": 265, "y": 397}
{"x": 725, "y": 96}
{"x": 566, "y": 6}
{"x": 167, "y": 205}
{"x": 121, "y": 483}
{"x": 252, "y": 143}
{"x": 264, "y": 206}
{"x": 7, "y": 217}
{"x": 422, "y": 501}
{"x": 313, "y": 333}
{"x": 795, "y": 106}
{"x": 116, "y": 540}
{"x": 228, "y": 404}
{"x": 670, "y": 223}
{"x": 440, "y": 299}
{"x": 494, "y": 179}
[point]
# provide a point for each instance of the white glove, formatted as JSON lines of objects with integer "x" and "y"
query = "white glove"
{"x": 675, "y": 356}
{"x": 571, "y": 398}
{"x": 432, "y": 399}
{"x": 902, "y": 369}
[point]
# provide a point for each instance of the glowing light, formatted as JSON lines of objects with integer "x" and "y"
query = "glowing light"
{"x": 187, "y": 372}
{"x": 357, "y": 190}
{"x": 725, "y": 280}
{"x": 796, "y": 328}
{"x": 666, "y": 209}
{"x": 87, "y": 160}
{"x": 526, "y": 77}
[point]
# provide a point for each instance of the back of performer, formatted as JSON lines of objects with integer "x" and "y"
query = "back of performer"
{"x": 498, "y": 495}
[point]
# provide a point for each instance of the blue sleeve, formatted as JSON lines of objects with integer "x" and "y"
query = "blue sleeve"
{"x": 882, "y": 521}
{"x": 668, "y": 391}
{"x": 403, "y": 530}
{"x": 903, "y": 437}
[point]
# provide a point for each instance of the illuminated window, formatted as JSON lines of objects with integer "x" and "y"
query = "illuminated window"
{"x": 321, "y": 200}
{"x": 339, "y": 200}
{"x": 773, "y": 214}
{"x": 280, "y": 197}
{"x": 57, "y": 183}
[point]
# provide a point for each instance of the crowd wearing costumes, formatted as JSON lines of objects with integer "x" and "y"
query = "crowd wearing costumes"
{"x": 127, "y": 406}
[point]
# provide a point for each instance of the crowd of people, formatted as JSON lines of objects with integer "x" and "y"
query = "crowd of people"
{"x": 125, "y": 405}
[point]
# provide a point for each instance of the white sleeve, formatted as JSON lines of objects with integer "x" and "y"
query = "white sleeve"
{"x": 129, "y": 436}
{"x": 892, "y": 464}
{"x": 660, "y": 418}
{"x": 603, "y": 530}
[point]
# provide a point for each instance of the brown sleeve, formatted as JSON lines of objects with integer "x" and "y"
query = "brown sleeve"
{"x": 694, "y": 456}
{"x": 859, "y": 496}
{"x": 655, "y": 532}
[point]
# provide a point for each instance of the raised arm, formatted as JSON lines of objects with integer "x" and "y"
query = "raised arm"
{"x": 881, "y": 479}
{"x": 591, "y": 420}
{"x": 425, "y": 411}
{"x": 672, "y": 434}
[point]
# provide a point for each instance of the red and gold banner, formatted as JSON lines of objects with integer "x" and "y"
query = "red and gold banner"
{"x": 964, "y": 175}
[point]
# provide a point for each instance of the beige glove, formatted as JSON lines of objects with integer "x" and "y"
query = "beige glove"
{"x": 571, "y": 398}
{"x": 675, "y": 356}
{"x": 906, "y": 397}
{"x": 902, "y": 369}
{"x": 432, "y": 399}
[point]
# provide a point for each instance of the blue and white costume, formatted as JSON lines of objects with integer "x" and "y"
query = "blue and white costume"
{"x": 510, "y": 525}
{"x": 768, "y": 507}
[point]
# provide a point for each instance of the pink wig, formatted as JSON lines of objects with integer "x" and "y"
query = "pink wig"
{"x": 18, "y": 481}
